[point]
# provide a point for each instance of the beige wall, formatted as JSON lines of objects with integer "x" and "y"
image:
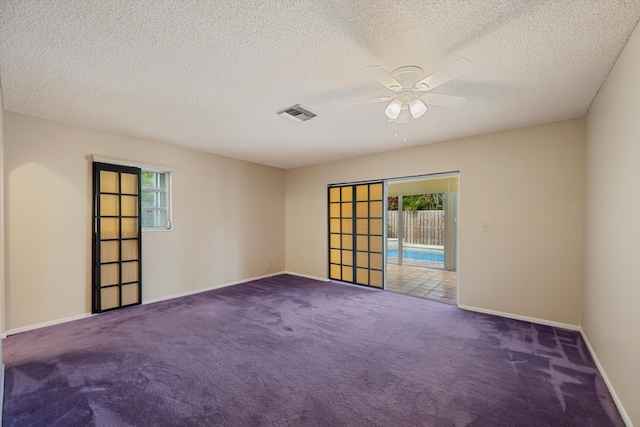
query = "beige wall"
{"x": 611, "y": 302}
{"x": 228, "y": 219}
{"x": 2, "y": 271}
{"x": 527, "y": 183}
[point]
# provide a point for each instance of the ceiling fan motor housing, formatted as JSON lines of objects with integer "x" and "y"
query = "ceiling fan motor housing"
{"x": 408, "y": 76}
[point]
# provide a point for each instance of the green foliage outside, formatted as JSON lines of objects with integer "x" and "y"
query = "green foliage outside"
{"x": 147, "y": 199}
{"x": 148, "y": 179}
{"x": 150, "y": 197}
{"x": 418, "y": 202}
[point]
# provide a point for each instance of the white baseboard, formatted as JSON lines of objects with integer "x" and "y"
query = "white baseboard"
{"x": 613, "y": 393}
{"x": 524, "y": 318}
{"x": 210, "y": 288}
{"x": 45, "y": 324}
{"x": 85, "y": 315}
{"x": 306, "y": 276}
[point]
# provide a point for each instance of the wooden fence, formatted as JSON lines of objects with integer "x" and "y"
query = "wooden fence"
{"x": 420, "y": 227}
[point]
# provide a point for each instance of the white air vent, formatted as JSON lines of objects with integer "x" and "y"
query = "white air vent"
{"x": 297, "y": 113}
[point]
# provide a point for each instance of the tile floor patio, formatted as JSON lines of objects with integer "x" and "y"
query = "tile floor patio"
{"x": 420, "y": 279}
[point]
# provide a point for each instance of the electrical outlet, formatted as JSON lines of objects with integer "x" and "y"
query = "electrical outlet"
{"x": 485, "y": 226}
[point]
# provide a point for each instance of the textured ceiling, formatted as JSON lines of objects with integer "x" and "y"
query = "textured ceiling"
{"x": 212, "y": 75}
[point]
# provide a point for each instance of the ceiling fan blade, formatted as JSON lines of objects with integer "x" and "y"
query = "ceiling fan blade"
{"x": 448, "y": 101}
{"x": 372, "y": 101}
{"x": 454, "y": 70}
{"x": 382, "y": 76}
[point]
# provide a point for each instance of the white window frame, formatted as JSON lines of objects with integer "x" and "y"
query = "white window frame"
{"x": 149, "y": 168}
{"x": 169, "y": 224}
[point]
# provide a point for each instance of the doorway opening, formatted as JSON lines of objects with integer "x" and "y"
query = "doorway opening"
{"x": 422, "y": 237}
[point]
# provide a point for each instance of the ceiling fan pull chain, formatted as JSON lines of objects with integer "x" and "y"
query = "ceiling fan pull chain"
{"x": 396, "y": 129}
{"x": 404, "y": 133}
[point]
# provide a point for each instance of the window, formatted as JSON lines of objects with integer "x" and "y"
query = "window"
{"x": 156, "y": 200}
{"x": 155, "y": 191}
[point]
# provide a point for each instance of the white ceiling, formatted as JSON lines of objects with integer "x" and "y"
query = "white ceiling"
{"x": 212, "y": 75}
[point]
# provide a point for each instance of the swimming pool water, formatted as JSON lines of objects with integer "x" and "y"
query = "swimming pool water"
{"x": 424, "y": 255}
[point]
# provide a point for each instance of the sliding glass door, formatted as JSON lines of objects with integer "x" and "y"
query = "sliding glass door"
{"x": 356, "y": 233}
{"x": 116, "y": 238}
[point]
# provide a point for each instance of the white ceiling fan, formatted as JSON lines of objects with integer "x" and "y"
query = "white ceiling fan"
{"x": 411, "y": 89}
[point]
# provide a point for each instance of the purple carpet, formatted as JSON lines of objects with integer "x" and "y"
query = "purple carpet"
{"x": 288, "y": 351}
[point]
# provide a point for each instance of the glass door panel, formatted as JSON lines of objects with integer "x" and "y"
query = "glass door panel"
{"x": 356, "y": 254}
{"x": 117, "y": 237}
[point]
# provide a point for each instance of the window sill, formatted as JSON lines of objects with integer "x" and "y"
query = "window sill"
{"x": 156, "y": 229}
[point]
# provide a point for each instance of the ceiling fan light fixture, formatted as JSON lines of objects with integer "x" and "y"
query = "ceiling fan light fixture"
{"x": 409, "y": 83}
{"x": 417, "y": 108}
{"x": 403, "y": 117}
{"x": 393, "y": 109}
